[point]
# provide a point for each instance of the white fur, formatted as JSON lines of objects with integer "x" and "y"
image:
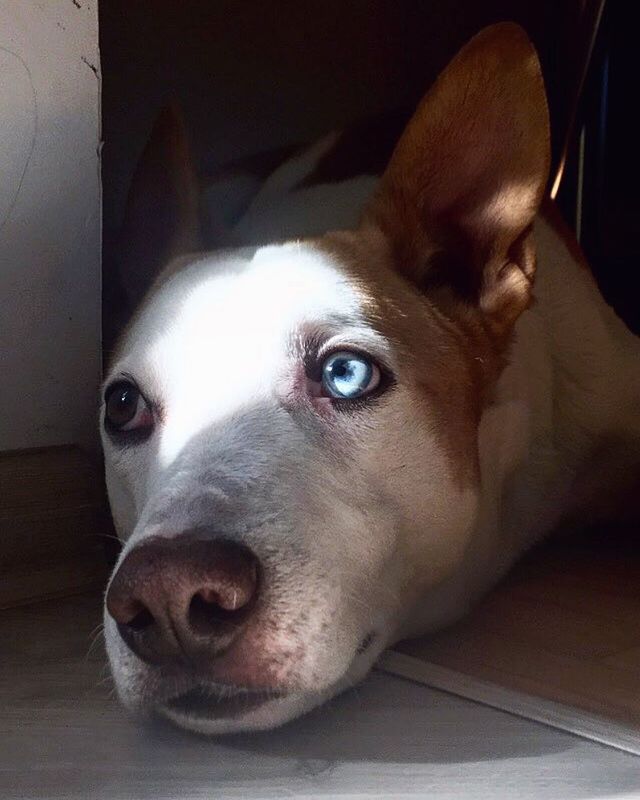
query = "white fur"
{"x": 357, "y": 543}
{"x": 214, "y": 346}
{"x": 282, "y": 209}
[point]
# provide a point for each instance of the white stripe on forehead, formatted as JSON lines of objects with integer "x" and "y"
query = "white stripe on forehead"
{"x": 223, "y": 338}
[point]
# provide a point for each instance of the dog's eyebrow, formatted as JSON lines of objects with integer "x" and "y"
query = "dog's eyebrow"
{"x": 309, "y": 337}
{"x": 337, "y": 330}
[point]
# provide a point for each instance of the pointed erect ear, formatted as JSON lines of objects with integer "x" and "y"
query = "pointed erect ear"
{"x": 162, "y": 213}
{"x": 463, "y": 186}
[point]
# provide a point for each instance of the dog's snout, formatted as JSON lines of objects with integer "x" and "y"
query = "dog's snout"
{"x": 183, "y": 598}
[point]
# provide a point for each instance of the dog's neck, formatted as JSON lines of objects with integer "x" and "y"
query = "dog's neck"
{"x": 566, "y": 399}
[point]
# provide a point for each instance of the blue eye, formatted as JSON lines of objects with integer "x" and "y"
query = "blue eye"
{"x": 349, "y": 375}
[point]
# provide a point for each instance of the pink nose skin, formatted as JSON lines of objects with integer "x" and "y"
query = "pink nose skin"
{"x": 183, "y": 599}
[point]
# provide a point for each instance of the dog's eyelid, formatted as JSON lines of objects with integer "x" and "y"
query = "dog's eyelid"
{"x": 127, "y": 376}
{"x": 373, "y": 346}
{"x": 118, "y": 377}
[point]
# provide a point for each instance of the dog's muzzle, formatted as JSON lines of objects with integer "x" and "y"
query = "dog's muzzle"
{"x": 181, "y": 604}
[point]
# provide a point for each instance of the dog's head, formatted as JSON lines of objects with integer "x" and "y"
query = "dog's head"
{"x": 291, "y": 432}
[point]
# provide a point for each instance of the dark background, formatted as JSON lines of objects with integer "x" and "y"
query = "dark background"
{"x": 610, "y": 204}
{"x": 252, "y": 76}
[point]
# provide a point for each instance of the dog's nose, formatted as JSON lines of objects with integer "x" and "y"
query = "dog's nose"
{"x": 183, "y": 599}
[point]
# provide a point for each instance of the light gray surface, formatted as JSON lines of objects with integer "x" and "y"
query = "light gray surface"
{"x": 50, "y": 278}
{"x": 63, "y": 736}
{"x": 598, "y": 728}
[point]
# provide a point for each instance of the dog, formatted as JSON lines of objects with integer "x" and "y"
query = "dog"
{"x": 324, "y": 443}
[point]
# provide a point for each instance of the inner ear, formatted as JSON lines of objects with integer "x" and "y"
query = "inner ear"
{"x": 465, "y": 181}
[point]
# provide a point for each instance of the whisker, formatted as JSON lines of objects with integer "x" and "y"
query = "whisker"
{"x": 96, "y": 637}
{"x": 110, "y": 536}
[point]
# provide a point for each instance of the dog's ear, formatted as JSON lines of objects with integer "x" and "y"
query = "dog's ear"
{"x": 463, "y": 186}
{"x": 162, "y": 213}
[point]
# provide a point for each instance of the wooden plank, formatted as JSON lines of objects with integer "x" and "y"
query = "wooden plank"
{"x": 593, "y": 687}
{"x": 562, "y": 629}
{"x": 53, "y": 524}
{"x": 601, "y": 729}
{"x": 628, "y": 660}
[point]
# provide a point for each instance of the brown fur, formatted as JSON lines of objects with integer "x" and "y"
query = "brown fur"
{"x": 444, "y": 257}
{"x": 466, "y": 179}
{"x": 442, "y": 254}
{"x": 161, "y": 218}
{"x": 449, "y": 361}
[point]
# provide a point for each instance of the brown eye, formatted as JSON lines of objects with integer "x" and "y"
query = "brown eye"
{"x": 126, "y": 409}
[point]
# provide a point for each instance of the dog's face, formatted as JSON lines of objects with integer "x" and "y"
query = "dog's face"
{"x": 290, "y": 432}
{"x": 268, "y": 394}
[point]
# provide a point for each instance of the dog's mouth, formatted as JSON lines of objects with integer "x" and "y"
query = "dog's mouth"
{"x": 215, "y": 703}
{"x": 210, "y": 701}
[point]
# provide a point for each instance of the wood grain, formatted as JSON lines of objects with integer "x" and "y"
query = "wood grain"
{"x": 53, "y": 524}
{"x": 563, "y": 627}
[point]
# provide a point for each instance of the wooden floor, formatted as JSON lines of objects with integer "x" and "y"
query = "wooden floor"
{"x": 54, "y": 526}
{"x": 565, "y": 626}
{"x": 63, "y": 736}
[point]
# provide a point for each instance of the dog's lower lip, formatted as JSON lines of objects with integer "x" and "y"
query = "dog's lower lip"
{"x": 204, "y": 701}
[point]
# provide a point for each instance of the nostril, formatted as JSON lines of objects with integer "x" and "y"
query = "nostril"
{"x": 129, "y": 613}
{"x": 207, "y": 615}
{"x": 142, "y": 620}
{"x": 230, "y": 597}
{"x": 208, "y": 612}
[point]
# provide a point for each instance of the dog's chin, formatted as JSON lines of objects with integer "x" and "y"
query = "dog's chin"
{"x": 204, "y": 706}
{"x": 205, "y": 709}
{"x": 202, "y": 710}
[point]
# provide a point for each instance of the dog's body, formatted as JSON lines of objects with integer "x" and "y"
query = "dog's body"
{"x": 497, "y": 415}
